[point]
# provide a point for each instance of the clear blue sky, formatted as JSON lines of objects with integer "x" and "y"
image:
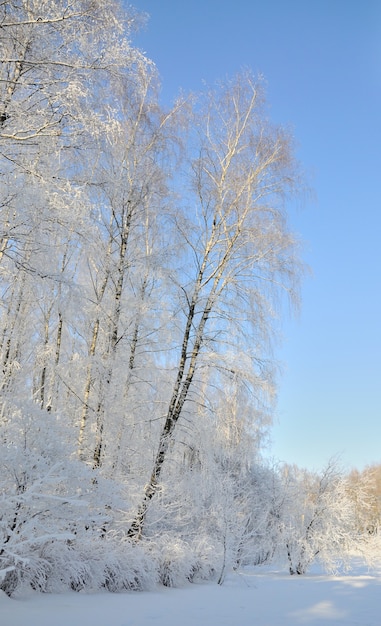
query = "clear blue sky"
{"x": 322, "y": 62}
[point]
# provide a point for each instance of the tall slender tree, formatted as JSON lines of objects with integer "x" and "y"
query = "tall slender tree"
{"x": 239, "y": 251}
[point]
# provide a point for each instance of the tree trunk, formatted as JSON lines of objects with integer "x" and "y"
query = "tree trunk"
{"x": 179, "y": 396}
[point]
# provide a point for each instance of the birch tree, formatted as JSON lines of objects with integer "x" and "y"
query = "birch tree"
{"x": 60, "y": 63}
{"x": 239, "y": 251}
{"x": 128, "y": 187}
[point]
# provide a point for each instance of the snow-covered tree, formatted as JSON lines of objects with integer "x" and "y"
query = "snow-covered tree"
{"x": 318, "y": 518}
{"x": 238, "y": 252}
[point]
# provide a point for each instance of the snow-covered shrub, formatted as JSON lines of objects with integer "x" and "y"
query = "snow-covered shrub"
{"x": 264, "y": 505}
{"x": 319, "y": 520}
{"x": 177, "y": 561}
{"x": 93, "y": 563}
{"x": 38, "y": 503}
{"x": 127, "y": 566}
{"x": 206, "y": 558}
{"x": 53, "y": 508}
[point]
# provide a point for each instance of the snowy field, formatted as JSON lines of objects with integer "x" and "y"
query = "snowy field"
{"x": 256, "y": 598}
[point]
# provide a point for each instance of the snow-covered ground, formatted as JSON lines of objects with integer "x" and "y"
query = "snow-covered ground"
{"x": 256, "y": 598}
